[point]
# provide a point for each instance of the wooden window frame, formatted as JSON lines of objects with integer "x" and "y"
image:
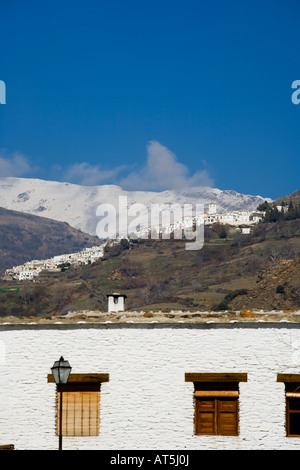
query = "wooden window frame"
{"x": 217, "y": 411}
{"x": 292, "y": 392}
{"x": 82, "y": 397}
{"x": 83, "y": 378}
{"x": 219, "y": 393}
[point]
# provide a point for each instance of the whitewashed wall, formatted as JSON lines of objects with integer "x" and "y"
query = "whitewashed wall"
{"x": 146, "y": 404}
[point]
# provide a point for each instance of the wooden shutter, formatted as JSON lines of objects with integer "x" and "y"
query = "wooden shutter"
{"x": 216, "y": 403}
{"x": 227, "y": 413}
{"x": 292, "y": 393}
{"x": 80, "y": 411}
{"x": 216, "y": 416}
{"x": 205, "y": 419}
{"x": 216, "y": 408}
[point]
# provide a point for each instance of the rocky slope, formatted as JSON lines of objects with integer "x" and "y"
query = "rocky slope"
{"x": 277, "y": 288}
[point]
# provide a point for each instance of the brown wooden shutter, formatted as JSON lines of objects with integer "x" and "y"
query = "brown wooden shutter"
{"x": 80, "y": 412}
{"x": 205, "y": 419}
{"x": 216, "y": 402}
{"x": 216, "y": 416}
{"x": 227, "y": 417}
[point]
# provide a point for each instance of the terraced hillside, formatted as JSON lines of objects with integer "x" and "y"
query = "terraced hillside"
{"x": 231, "y": 271}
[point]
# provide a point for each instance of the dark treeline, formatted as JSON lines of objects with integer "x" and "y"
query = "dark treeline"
{"x": 288, "y": 211}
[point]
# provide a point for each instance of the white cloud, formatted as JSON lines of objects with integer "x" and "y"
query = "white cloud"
{"x": 163, "y": 171}
{"x": 14, "y": 165}
{"x": 90, "y": 175}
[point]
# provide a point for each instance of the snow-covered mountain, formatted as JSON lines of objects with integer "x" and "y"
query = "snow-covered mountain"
{"x": 77, "y": 204}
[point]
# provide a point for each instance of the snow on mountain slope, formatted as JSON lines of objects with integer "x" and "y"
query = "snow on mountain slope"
{"x": 77, "y": 204}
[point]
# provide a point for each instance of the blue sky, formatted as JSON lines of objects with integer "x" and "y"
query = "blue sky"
{"x": 152, "y": 95}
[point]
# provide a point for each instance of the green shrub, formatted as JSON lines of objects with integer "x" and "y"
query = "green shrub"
{"x": 224, "y": 305}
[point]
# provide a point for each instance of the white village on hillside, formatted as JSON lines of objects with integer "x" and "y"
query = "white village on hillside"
{"x": 241, "y": 220}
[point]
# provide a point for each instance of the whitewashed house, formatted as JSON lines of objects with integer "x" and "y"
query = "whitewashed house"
{"x": 26, "y": 275}
{"x": 212, "y": 208}
{"x": 165, "y": 381}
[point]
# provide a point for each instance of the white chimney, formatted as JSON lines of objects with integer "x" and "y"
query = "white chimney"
{"x": 116, "y": 302}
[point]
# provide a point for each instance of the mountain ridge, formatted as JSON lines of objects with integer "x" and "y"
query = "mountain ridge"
{"x": 77, "y": 205}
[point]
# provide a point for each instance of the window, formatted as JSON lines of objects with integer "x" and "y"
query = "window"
{"x": 216, "y": 403}
{"x": 292, "y": 398}
{"x": 80, "y": 404}
{"x": 216, "y": 411}
{"x": 80, "y": 410}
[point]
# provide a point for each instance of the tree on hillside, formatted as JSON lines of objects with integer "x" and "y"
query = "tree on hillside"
{"x": 220, "y": 229}
{"x": 293, "y": 211}
{"x": 263, "y": 207}
{"x": 273, "y": 214}
{"x": 26, "y": 293}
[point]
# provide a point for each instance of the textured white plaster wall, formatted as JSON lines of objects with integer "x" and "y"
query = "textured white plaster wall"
{"x": 146, "y": 404}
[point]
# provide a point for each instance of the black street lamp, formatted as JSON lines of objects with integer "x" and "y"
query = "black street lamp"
{"x": 61, "y": 370}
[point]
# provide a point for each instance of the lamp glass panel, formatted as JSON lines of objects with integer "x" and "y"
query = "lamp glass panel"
{"x": 61, "y": 371}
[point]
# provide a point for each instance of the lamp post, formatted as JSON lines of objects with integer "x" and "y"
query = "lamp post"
{"x": 61, "y": 370}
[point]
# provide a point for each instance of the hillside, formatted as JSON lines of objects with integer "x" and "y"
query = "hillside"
{"x": 25, "y": 237}
{"x": 277, "y": 288}
{"x": 237, "y": 271}
{"x": 294, "y": 197}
